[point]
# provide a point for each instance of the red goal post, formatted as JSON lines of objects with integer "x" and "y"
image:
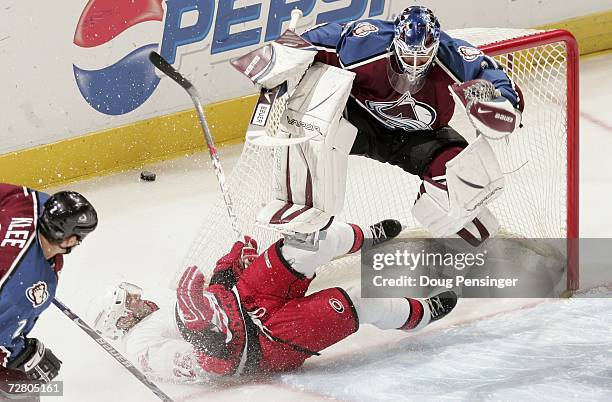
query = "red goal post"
{"x": 573, "y": 129}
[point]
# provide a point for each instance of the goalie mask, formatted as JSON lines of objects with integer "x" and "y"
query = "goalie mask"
{"x": 417, "y": 37}
{"x": 116, "y": 314}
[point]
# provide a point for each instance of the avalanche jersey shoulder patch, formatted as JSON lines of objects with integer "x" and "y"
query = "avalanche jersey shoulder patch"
{"x": 364, "y": 41}
{"x": 469, "y": 53}
{"x": 38, "y": 293}
{"x": 363, "y": 29}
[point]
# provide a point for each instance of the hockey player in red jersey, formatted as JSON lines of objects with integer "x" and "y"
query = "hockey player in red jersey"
{"x": 36, "y": 230}
{"x": 254, "y": 315}
{"x": 387, "y": 90}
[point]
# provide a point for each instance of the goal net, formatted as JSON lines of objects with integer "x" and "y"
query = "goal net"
{"x": 539, "y": 160}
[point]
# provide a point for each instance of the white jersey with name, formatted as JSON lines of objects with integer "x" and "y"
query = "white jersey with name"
{"x": 156, "y": 346}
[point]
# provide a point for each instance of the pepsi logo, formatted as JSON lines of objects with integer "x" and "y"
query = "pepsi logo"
{"x": 113, "y": 40}
{"x": 125, "y": 84}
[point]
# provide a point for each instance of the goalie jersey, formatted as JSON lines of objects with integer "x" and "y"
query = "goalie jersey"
{"x": 363, "y": 48}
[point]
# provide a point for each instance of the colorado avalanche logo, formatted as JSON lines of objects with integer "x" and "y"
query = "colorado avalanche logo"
{"x": 469, "y": 53}
{"x": 364, "y": 29}
{"x": 406, "y": 113}
{"x": 38, "y": 293}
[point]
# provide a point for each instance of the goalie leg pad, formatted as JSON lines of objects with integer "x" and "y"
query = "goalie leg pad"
{"x": 311, "y": 177}
{"x": 318, "y": 102}
{"x": 457, "y": 207}
{"x": 433, "y": 215}
{"x": 474, "y": 178}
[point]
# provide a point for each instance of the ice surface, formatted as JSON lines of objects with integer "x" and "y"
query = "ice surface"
{"x": 557, "y": 350}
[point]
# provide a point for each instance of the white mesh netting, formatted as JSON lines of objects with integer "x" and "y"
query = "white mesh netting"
{"x": 535, "y": 160}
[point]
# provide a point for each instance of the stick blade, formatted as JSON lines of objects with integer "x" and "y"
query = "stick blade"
{"x": 160, "y": 63}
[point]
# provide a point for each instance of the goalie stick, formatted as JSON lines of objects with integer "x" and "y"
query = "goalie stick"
{"x": 165, "y": 67}
{"x": 111, "y": 351}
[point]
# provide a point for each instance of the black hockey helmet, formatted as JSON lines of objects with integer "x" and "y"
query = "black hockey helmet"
{"x": 65, "y": 214}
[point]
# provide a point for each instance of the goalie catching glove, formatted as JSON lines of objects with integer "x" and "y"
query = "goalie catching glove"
{"x": 491, "y": 114}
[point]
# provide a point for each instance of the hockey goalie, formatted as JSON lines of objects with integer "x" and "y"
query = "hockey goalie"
{"x": 385, "y": 90}
{"x": 254, "y": 316}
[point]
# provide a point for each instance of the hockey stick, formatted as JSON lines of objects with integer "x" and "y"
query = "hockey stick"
{"x": 112, "y": 351}
{"x": 162, "y": 64}
{"x": 165, "y": 67}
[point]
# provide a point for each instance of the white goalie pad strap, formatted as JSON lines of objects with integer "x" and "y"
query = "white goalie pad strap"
{"x": 260, "y": 138}
{"x": 474, "y": 178}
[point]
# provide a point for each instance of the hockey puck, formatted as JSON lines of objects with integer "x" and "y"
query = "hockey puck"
{"x": 147, "y": 176}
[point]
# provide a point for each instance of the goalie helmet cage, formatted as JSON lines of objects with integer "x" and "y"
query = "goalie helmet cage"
{"x": 540, "y": 159}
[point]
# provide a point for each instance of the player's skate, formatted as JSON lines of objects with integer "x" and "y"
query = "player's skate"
{"x": 383, "y": 231}
{"x": 426, "y": 311}
{"x": 441, "y": 304}
{"x": 365, "y": 236}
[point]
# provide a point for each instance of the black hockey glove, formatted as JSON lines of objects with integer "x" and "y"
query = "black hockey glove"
{"x": 38, "y": 362}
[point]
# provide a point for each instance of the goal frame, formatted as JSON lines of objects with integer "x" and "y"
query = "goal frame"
{"x": 556, "y": 46}
{"x": 573, "y": 128}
